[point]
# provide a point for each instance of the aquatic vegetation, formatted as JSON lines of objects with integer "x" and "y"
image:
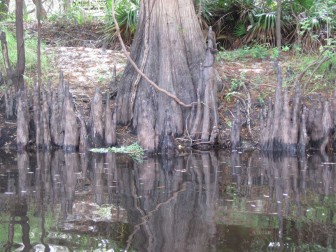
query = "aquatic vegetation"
{"x": 134, "y": 150}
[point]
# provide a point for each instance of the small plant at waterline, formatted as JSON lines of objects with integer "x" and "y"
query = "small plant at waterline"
{"x": 134, "y": 150}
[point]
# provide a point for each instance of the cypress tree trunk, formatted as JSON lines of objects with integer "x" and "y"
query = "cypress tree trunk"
{"x": 235, "y": 129}
{"x": 110, "y": 124}
{"x": 83, "y": 134}
{"x": 71, "y": 134}
{"x": 45, "y": 121}
{"x": 22, "y": 134}
{"x": 96, "y": 116}
{"x": 281, "y": 133}
{"x": 169, "y": 48}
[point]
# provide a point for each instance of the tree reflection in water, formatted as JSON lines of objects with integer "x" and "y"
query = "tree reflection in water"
{"x": 176, "y": 209}
{"x": 18, "y": 208}
{"x": 196, "y": 202}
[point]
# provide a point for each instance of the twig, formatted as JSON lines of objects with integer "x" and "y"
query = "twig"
{"x": 317, "y": 67}
{"x": 318, "y": 63}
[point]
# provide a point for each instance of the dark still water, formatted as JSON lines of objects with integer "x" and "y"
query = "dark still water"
{"x": 196, "y": 202}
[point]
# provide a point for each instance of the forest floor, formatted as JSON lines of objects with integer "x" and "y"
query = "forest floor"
{"x": 86, "y": 65}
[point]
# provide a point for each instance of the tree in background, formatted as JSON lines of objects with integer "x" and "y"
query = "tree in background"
{"x": 42, "y": 13}
{"x": 4, "y": 5}
{"x": 20, "y": 65}
{"x": 278, "y": 25}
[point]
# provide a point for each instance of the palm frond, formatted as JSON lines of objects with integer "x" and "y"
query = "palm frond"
{"x": 239, "y": 30}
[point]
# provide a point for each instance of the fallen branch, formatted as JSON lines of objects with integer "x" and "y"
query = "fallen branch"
{"x": 318, "y": 62}
{"x": 317, "y": 67}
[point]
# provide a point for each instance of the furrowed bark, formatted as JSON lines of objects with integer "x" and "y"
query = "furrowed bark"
{"x": 97, "y": 133}
{"x": 235, "y": 129}
{"x": 37, "y": 117}
{"x": 171, "y": 31}
{"x": 303, "y": 138}
{"x": 9, "y": 102}
{"x": 83, "y": 135}
{"x": 45, "y": 121}
{"x": 110, "y": 127}
{"x": 20, "y": 65}
{"x": 55, "y": 121}
{"x": 210, "y": 109}
{"x": 281, "y": 133}
{"x": 22, "y": 134}
{"x": 71, "y": 135}
{"x": 8, "y": 67}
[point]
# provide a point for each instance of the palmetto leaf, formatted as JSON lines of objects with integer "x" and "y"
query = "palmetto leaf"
{"x": 306, "y": 4}
{"x": 240, "y": 30}
{"x": 126, "y": 13}
{"x": 266, "y": 20}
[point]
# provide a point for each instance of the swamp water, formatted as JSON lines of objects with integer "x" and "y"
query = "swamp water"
{"x": 197, "y": 202}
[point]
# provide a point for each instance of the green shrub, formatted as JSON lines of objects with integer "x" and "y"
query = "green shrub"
{"x": 30, "y": 55}
{"x": 256, "y": 52}
{"x": 126, "y": 13}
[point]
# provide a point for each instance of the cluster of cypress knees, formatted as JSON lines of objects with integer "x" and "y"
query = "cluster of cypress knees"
{"x": 287, "y": 124}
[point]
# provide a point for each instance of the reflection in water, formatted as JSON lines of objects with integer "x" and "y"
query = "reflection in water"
{"x": 300, "y": 192}
{"x": 198, "y": 202}
{"x": 18, "y": 207}
{"x": 175, "y": 209}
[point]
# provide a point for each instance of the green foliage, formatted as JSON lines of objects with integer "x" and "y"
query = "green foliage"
{"x": 318, "y": 24}
{"x": 134, "y": 150}
{"x": 30, "y": 55}
{"x": 254, "y": 21}
{"x": 285, "y": 48}
{"x": 3, "y": 9}
{"x": 262, "y": 29}
{"x": 240, "y": 30}
{"x": 236, "y": 84}
{"x": 104, "y": 211}
{"x": 317, "y": 78}
{"x": 262, "y": 98}
{"x": 73, "y": 14}
{"x": 126, "y": 13}
{"x": 275, "y": 53}
{"x": 255, "y": 52}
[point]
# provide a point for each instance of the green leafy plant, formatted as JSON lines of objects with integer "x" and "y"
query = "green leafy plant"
{"x": 134, "y": 150}
{"x": 285, "y": 48}
{"x": 262, "y": 98}
{"x": 256, "y": 52}
{"x": 126, "y": 13}
{"x": 275, "y": 53}
{"x": 30, "y": 55}
{"x": 240, "y": 30}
